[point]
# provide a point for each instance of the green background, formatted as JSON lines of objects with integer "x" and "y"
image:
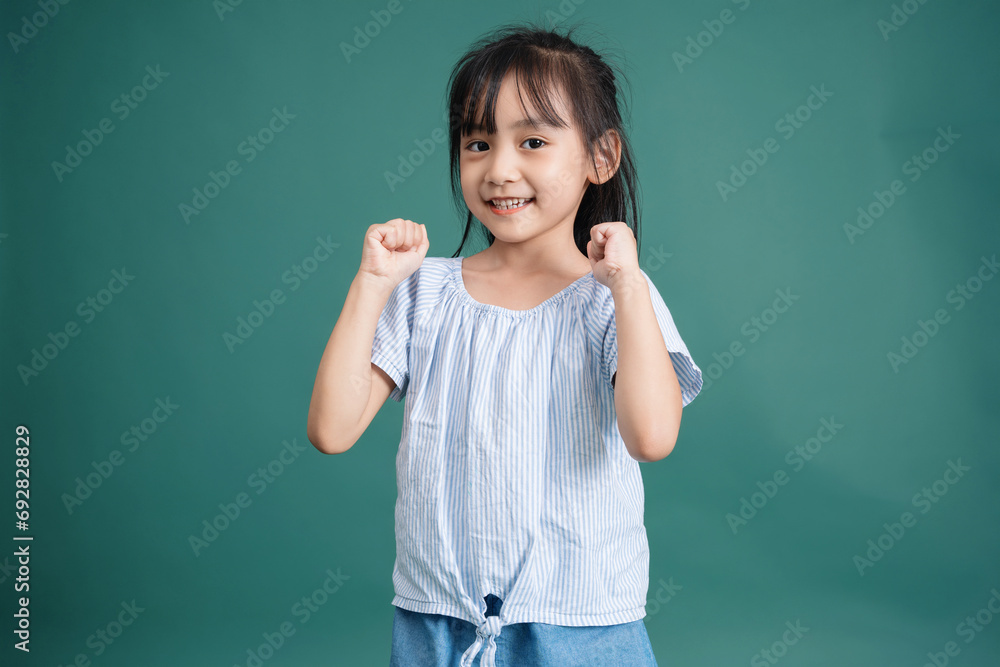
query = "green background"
{"x": 324, "y": 176}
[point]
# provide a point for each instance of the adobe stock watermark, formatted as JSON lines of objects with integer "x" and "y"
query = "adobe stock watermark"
{"x": 88, "y": 309}
{"x": 665, "y": 592}
{"x": 752, "y": 329}
{"x": 714, "y": 28}
{"x": 796, "y": 458}
{"x": 259, "y": 480}
{"x": 656, "y": 262}
{"x": 899, "y": 17}
{"x": 303, "y": 610}
{"x": 962, "y": 293}
{"x": 779, "y": 648}
{"x": 787, "y": 126}
{"x": 122, "y": 106}
{"x": 924, "y": 501}
{"x": 565, "y": 9}
{"x": 104, "y": 637}
{"x": 293, "y": 276}
{"x": 223, "y": 7}
{"x": 7, "y": 569}
{"x": 38, "y": 20}
{"x": 914, "y": 168}
{"x": 249, "y": 148}
{"x": 381, "y": 19}
{"x": 425, "y": 147}
{"x": 969, "y": 628}
{"x": 406, "y": 166}
{"x": 134, "y": 437}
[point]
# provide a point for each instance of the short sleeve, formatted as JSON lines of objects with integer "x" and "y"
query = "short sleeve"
{"x": 391, "y": 346}
{"x": 688, "y": 373}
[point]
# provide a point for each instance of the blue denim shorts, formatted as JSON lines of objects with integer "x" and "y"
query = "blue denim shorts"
{"x": 434, "y": 640}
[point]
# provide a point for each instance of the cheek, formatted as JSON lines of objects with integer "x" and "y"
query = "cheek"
{"x": 466, "y": 183}
{"x": 467, "y": 176}
{"x": 553, "y": 181}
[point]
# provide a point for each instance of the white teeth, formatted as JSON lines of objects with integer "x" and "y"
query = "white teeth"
{"x": 508, "y": 203}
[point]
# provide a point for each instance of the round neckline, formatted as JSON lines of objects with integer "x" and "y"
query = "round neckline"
{"x": 558, "y": 296}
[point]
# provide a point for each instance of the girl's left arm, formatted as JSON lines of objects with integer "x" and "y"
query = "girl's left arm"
{"x": 647, "y": 393}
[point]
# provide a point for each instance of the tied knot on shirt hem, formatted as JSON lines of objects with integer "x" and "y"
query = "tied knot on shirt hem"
{"x": 485, "y": 633}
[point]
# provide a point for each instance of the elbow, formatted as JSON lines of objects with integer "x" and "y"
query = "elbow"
{"x": 651, "y": 435}
{"x": 654, "y": 449}
{"x": 656, "y": 444}
{"x": 663, "y": 438}
{"x": 330, "y": 436}
{"x": 323, "y": 443}
{"x": 317, "y": 442}
{"x": 650, "y": 446}
{"x": 313, "y": 434}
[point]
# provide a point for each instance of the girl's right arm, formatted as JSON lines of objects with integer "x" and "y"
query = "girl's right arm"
{"x": 349, "y": 389}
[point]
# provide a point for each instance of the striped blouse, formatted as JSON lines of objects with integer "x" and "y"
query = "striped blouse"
{"x": 512, "y": 476}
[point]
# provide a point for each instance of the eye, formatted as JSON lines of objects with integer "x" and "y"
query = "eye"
{"x": 472, "y": 145}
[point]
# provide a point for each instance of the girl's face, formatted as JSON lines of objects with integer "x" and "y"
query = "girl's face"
{"x": 547, "y": 165}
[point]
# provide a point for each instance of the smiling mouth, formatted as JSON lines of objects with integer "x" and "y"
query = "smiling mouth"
{"x": 510, "y": 206}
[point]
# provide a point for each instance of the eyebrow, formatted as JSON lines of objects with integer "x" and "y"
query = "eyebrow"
{"x": 519, "y": 124}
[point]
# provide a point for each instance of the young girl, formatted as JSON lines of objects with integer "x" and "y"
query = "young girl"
{"x": 519, "y": 517}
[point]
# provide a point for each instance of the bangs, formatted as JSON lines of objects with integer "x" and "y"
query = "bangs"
{"x": 541, "y": 76}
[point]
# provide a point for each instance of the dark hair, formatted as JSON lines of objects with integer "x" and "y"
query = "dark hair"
{"x": 542, "y": 60}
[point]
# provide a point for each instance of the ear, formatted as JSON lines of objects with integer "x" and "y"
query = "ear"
{"x": 607, "y": 155}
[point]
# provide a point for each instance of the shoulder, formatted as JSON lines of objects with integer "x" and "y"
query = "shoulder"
{"x": 432, "y": 271}
{"x": 425, "y": 286}
{"x": 600, "y": 295}
{"x": 593, "y": 305}
{"x": 596, "y": 303}
{"x": 437, "y": 267}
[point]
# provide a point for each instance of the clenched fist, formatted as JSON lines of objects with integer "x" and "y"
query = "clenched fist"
{"x": 393, "y": 250}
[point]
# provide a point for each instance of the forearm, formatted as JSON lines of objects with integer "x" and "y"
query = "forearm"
{"x": 344, "y": 378}
{"x": 647, "y": 394}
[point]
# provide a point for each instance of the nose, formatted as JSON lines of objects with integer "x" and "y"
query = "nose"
{"x": 503, "y": 166}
